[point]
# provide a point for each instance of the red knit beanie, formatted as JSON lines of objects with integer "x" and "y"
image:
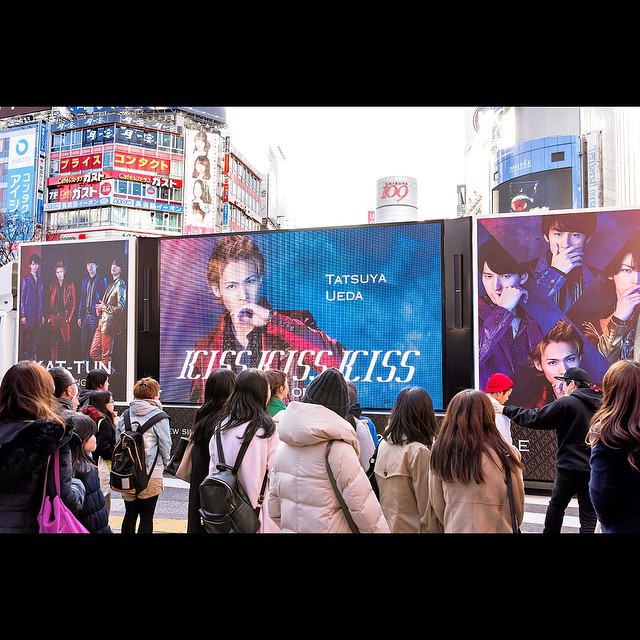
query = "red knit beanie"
{"x": 498, "y": 382}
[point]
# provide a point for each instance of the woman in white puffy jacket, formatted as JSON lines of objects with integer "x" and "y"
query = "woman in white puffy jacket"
{"x": 301, "y": 498}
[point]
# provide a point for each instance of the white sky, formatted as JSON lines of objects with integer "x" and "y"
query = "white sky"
{"x": 335, "y": 155}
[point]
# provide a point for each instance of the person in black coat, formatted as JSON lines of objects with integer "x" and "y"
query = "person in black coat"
{"x": 217, "y": 390}
{"x": 93, "y": 514}
{"x": 570, "y": 416}
{"x": 30, "y": 431}
{"x": 99, "y": 408}
{"x": 614, "y": 485}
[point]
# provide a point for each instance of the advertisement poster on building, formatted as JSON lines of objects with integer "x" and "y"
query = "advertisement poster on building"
{"x": 556, "y": 290}
{"x": 74, "y": 307}
{"x": 365, "y": 300}
{"x": 201, "y": 149}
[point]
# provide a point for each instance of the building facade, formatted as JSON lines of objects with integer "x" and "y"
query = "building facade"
{"x": 70, "y": 172}
{"x": 585, "y": 157}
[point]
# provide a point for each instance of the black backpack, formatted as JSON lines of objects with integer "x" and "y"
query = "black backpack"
{"x": 224, "y": 506}
{"x": 128, "y": 465}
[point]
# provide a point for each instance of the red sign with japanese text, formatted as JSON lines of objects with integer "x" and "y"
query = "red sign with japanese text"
{"x": 87, "y": 162}
{"x": 115, "y": 174}
{"x": 140, "y": 162}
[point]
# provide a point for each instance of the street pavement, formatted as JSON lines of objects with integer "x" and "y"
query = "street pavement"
{"x": 171, "y": 511}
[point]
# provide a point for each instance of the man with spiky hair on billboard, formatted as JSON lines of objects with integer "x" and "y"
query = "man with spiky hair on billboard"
{"x": 249, "y": 327}
{"x": 31, "y": 311}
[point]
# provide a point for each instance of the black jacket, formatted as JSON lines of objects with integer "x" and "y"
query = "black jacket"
{"x": 25, "y": 446}
{"x": 199, "y": 471}
{"x": 93, "y": 514}
{"x": 83, "y": 398}
{"x": 106, "y": 436}
{"x": 569, "y": 416}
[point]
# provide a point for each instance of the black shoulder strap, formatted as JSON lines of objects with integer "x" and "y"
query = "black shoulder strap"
{"x": 343, "y": 504}
{"x": 127, "y": 420}
{"x": 152, "y": 420}
{"x": 146, "y": 426}
{"x": 243, "y": 450}
{"x": 512, "y": 509}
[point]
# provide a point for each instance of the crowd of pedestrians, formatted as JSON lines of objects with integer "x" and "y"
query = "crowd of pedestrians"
{"x": 310, "y": 458}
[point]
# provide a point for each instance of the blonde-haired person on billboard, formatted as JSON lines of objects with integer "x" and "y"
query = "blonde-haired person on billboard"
{"x": 249, "y": 327}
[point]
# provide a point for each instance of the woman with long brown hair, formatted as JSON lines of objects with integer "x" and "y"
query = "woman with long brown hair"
{"x": 402, "y": 464}
{"x": 614, "y": 437}
{"x": 467, "y": 478}
{"x": 30, "y": 431}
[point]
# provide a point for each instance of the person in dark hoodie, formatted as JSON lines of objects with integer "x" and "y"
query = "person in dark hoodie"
{"x": 97, "y": 382}
{"x": 570, "y": 416}
{"x": 99, "y": 408}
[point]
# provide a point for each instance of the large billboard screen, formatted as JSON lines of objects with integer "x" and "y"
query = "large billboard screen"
{"x": 539, "y": 175}
{"x": 74, "y": 307}
{"x": 367, "y": 300}
{"x": 556, "y": 290}
{"x": 535, "y": 192}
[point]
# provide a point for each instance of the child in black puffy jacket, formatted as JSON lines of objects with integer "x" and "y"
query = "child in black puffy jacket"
{"x": 93, "y": 513}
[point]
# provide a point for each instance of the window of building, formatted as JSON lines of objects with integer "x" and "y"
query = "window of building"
{"x": 177, "y": 168}
{"x": 120, "y": 216}
{"x": 177, "y": 143}
{"x": 164, "y": 141}
{"x": 76, "y": 139}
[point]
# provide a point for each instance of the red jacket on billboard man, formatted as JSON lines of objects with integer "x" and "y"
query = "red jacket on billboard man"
{"x": 62, "y": 306}
{"x": 252, "y": 334}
